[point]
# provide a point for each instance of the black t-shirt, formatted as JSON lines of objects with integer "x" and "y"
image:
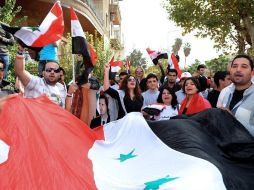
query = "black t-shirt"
{"x": 237, "y": 96}
{"x": 213, "y": 97}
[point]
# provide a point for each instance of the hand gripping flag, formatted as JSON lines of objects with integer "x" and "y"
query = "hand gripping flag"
{"x": 156, "y": 56}
{"x": 49, "y": 31}
{"x": 80, "y": 46}
{"x": 52, "y": 149}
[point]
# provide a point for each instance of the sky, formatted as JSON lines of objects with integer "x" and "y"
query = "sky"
{"x": 145, "y": 24}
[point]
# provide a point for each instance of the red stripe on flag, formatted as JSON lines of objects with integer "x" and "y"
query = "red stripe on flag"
{"x": 55, "y": 30}
{"x": 73, "y": 14}
{"x": 93, "y": 54}
{"x": 176, "y": 65}
{"x": 49, "y": 147}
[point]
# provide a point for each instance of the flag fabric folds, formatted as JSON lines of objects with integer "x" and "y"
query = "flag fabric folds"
{"x": 173, "y": 64}
{"x": 80, "y": 46}
{"x": 52, "y": 149}
{"x": 50, "y": 30}
{"x": 156, "y": 56}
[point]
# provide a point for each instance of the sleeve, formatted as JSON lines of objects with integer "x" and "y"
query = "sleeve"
{"x": 113, "y": 93}
{"x": 8, "y": 39}
{"x": 34, "y": 81}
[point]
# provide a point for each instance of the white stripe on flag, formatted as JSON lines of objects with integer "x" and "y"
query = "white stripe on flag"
{"x": 133, "y": 157}
{"x": 76, "y": 29}
{"x": 4, "y": 151}
{"x": 115, "y": 69}
{"x": 34, "y": 35}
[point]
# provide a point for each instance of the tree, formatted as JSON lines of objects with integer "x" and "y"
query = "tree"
{"x": 186, "y": 51}
{"x": 228, "y": 23}
{"x": 177, "y": 46}
{"x": 217, "y": 64}
{"x": 193, "y": 67}
{"x": 9, "y": 11}
{"x": 136, "y": 59}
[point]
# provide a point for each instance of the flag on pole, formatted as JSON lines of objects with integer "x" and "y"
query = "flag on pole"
{"x": 49, "y": 31}
{"x": 173, "y": 64}
{"x": 129, "y": 153}
{"x": 115, "y": 66}
{"x": 156, "y": 56}
{"x": 128, "y": 65}
{"x": 80, "y": 46}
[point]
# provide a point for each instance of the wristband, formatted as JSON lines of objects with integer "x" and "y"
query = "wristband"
{"x": 69, "y": 95}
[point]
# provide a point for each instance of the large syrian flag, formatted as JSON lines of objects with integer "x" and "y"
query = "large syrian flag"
{"x": 52, "y": 149}
{"x": 49, "y": 31}
{"x": 80, "y": 45}
{"x": 156, "y": 55}
{"x": 174, "y": 64}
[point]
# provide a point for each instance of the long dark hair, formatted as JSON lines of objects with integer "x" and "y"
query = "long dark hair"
{"x": 124, "y": 87}
{"x": 174, "y": 98}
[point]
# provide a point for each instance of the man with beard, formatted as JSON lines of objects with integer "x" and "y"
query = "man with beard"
{"x": 238, "y": 98}
{"x": 36, "y": 86}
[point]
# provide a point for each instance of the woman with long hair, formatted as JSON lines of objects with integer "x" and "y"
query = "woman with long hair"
{"x": 193, "y": 102}
{"x": 128, "y": 96}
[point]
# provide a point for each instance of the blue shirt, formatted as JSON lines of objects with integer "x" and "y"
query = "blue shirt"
{"x": 49, "y": 52}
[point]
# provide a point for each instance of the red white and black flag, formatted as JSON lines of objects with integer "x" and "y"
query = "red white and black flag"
{"x": 80, "y": 46}
{"x": 156, "y": 55}
{"x": 62, "y": 152}
{"x": 49, "y": 31}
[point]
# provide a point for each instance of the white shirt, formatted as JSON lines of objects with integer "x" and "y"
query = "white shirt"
{"x": 167, "y": 113}
{"x": 38, "y": 86}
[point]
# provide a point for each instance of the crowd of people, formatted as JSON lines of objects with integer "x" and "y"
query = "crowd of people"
{"x": 231, "y": 90}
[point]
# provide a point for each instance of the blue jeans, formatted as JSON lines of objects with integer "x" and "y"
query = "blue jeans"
{"x": 5, "y": 59}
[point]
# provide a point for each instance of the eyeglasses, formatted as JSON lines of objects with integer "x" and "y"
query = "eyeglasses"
{"x": 1, "y": 69}
{"x": 48, "y": 70}
{"x": 131, "y": 79}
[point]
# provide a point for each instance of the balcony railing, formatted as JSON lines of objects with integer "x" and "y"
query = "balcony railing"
{"x": 94, "y": 9}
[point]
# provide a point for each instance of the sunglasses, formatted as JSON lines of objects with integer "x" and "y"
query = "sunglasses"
{"x": 131, "y": 79}
{"x": 48, "y": 70}
{"x": 1, "y": 69}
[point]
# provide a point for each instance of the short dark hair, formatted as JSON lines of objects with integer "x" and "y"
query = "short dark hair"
{"x": 123, "y": 74}
{"x": 174, "y": 98}
{"x": 172, "y": 71}
{"x": 246, "y": 57}
{"x": 151, "y": 75}
{"x": 103, "y": 96}
{"x": 219, "y": 75}
{"x": 200, "y": 67}
{"x": 44, "y": 66}
{"x": 62, "y": 69}
{"x": 194, "y": 80}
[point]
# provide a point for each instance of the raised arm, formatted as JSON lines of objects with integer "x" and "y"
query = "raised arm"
{"x": 106, "y": 83}
{"x": 19, "y": 68}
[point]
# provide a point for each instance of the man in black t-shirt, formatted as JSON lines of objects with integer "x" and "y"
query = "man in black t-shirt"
{"x": 221, "y": 80}
{"x": 238, "y": 98}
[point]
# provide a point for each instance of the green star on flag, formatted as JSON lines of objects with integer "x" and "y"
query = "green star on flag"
{"x": 34, "y": 28}
{"x": 154, "y": 185}
{"x": 124, "y": 157}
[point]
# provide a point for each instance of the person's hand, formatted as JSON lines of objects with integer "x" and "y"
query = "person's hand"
{"x": 160, "y": 62}
{"x": 106, "y": 67}
{"x": 72, "y": 88}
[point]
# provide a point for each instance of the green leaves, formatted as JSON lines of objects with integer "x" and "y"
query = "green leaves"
{"x": 226, "y": 22}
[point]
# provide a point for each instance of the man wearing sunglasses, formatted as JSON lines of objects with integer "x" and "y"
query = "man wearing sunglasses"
{"x": 36, "y": 86}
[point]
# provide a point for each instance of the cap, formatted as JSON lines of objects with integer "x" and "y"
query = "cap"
{"x": 185, "y": 75}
